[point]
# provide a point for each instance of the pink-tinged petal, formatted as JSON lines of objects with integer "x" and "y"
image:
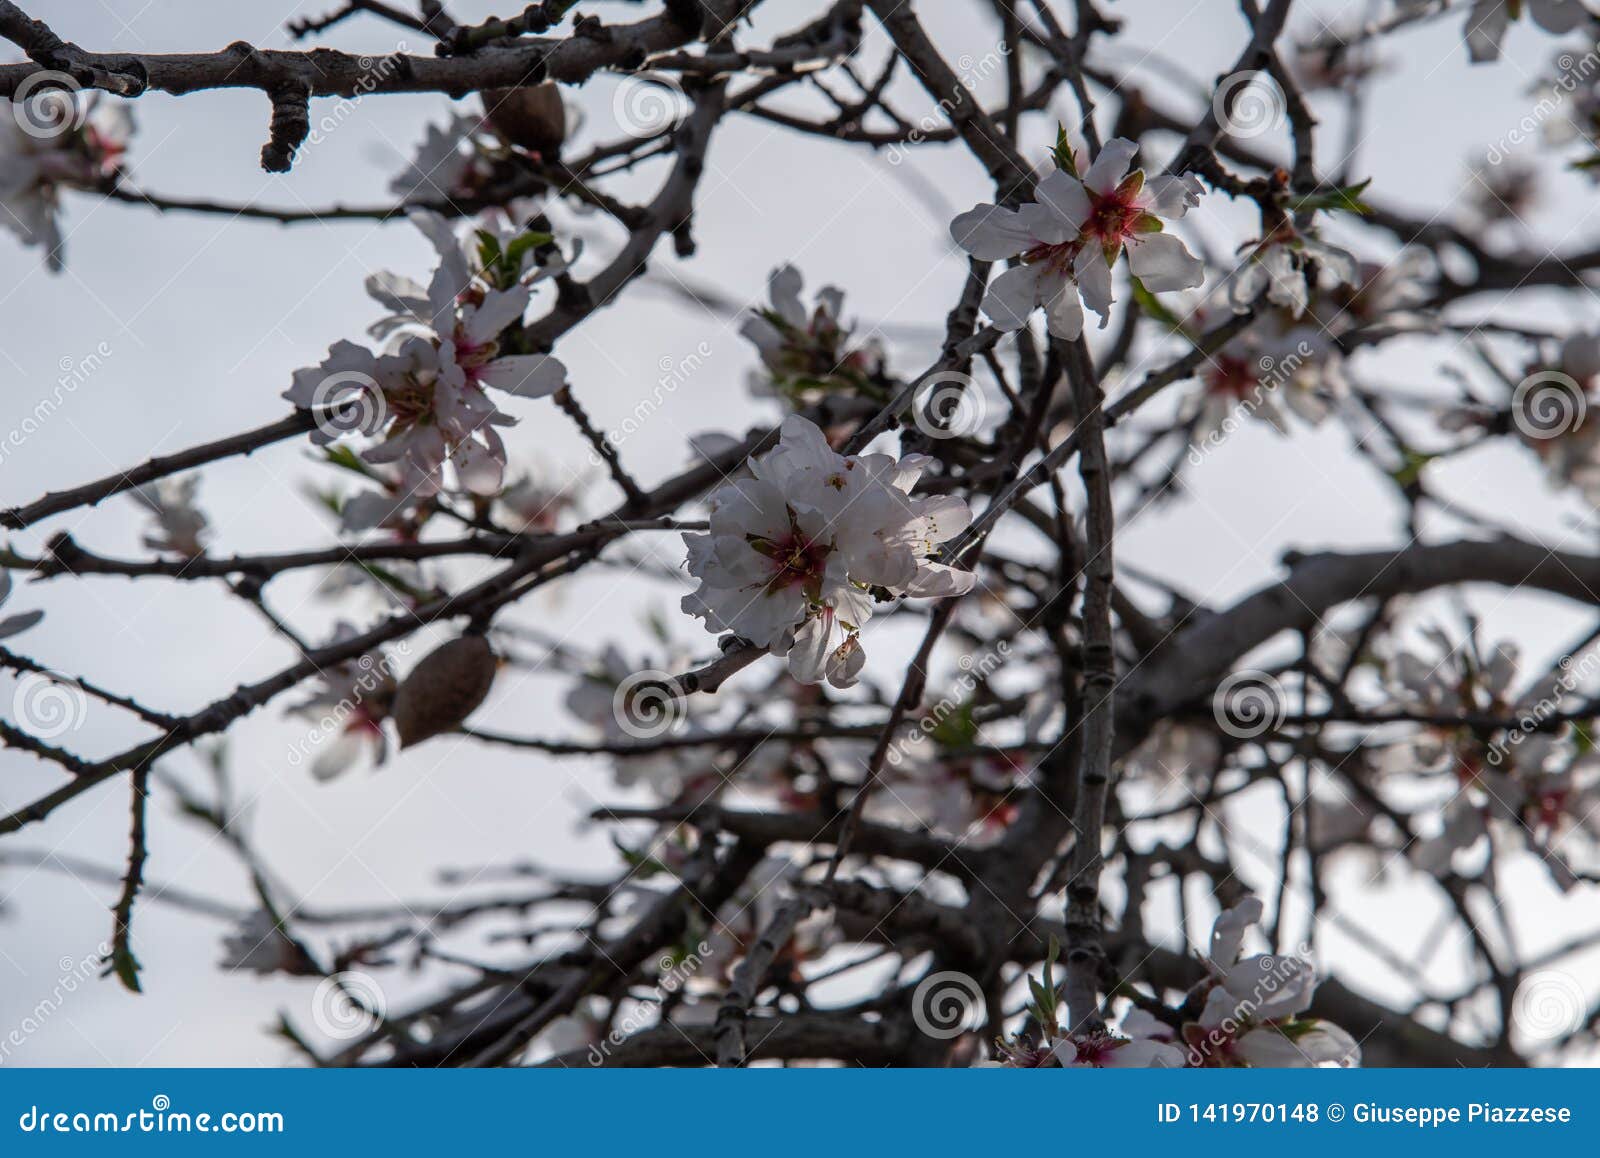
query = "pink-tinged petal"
{"x": 525, "y": 375}
{"x": 399, "y": 294}
{"x": 339, "y": 756}
{"x": 1012, "y": 297}
{"x": 1246, "y": 285}
{"x": 500, "y": 309}
{"x": 345, "y": 371}
{"x": 1267, "y": 1048}
{"x": 845, "y": 663}
{"x": 784, "y": 286}
{"x": 479, "y": 470}
{"x": 1094, "y": 281}
{"x": 439, "y": 234}
{"x": 750, "y": 507}
{"x": 1162, "y": 263}
{"x": 935, "y": 580}
{"x": 1111, "y": 166}
{"x": 1227, "y": 933}
{"x": 804, "y": 445}
{"x": 945, "y": 517}
{"x": 1143, "y": 1055}
{"x": 763, "y": 333}
{"x": 1061, "y": 195}
{"x": 990, "y": 232}
{"x": 813, "y": 643}
{"x": 1170, "y": 197}
{"x": 1063, "y": 309}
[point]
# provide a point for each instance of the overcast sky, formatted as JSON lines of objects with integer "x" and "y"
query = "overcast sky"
{"x": 205, "y": 318}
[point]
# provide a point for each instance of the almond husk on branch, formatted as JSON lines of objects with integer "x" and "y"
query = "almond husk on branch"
{"x": 533, "y": 117}
{"x": 444, "y": 689}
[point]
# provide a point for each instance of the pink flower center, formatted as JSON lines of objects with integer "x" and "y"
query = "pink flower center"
{"x": 796, "y": 561}
{"x": 1114, "y": 218}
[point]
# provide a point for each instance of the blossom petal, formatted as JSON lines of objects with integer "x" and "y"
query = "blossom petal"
{"x": 784, "y": 285}
{"x": 1111, "y": 166}
{"x": 1062, "y": 195}
{"x": 525, "y": 375}
{"x": 991, "y": 232}
{"x": 1012, "y": 297}
{"x": 1162, "y": 262}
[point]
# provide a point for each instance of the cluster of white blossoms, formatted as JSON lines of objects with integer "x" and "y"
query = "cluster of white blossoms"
{"x": 799, "y": 551}
{"x": 1252, "y": 1015}
{"x": 1254, "y": 1011}
{"x": 1535, "y": 783}
{"x": 347, "y": 708}
{"x": 52, "y": 141}
{"x": 1281, "y": 264}
{"x": 180, "y": 523}
{"x": 426, "y": 391}
{"x": 1070, "y": 236}
{"x": 808, "y": 354}
{"x": 1488, "y": 20}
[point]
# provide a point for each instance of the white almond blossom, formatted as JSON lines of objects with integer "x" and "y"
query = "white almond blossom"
{"x": 348, "y": 707}
{"x": 795, "y": 550}
{"x": 1069, "y": 237}
{"x": 54, "y": 141}
{"x": 446, "y": 165}
{"x": 1279, "y": 265}
{"x": 807, "y": 352}
{"x": 258, "y": 944}
{"x": 1488, "y": 20}
{"x": 426, "y": 393}
{"x": 180, "y": 525}
{"x": 1254, "y": 1010}
{"x": 537, "y": 506}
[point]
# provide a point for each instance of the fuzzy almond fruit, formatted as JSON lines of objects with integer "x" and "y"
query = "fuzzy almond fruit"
{"x": 444, "y": 689}
{"x": 533, "y": 117}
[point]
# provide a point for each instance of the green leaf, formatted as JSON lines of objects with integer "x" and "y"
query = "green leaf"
{"x": 524, "y": 243}
{"x": 1150, "y": 305}
{"x": 1409, "y": 471}
{"x": 1346, "y": 198}
{"x": 1063, "y": 151}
